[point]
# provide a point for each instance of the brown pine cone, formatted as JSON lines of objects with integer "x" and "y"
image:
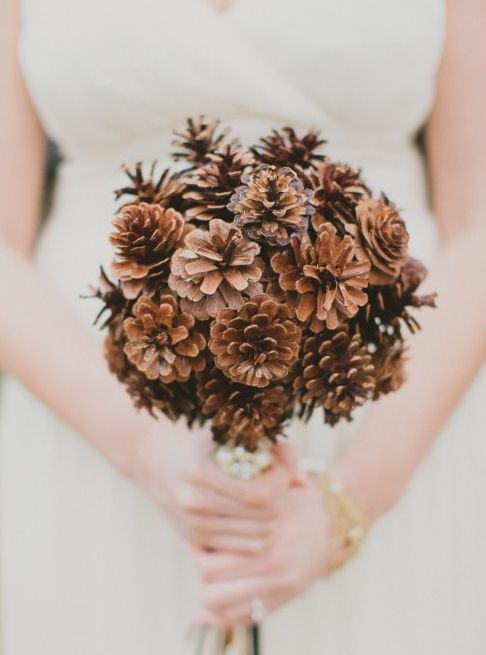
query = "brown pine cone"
{"x": 140, "y": 388}
{"x": 324, "y": 280}
{"x": 383, "y": 237}
{"x": 388, "y": 306}
{"x": 215, "y": 269}
{"x": 242, "y": 414}
{"x": 336, "y": 373}
{"x": 197, "y": 139}
{"x": 173, "y": 400}
{"x": 337, "y": 190}
{"x": 114, "y": 303}
{"x": 285, "y": 148}
{"x": 166, "y": 191}
{"x": 213, "y": 184}
{"x": 389, "y": 364}
{"x": 412, "y": 275}
{"x": 114, "y": 354}
{"x": 271, "y": 204}
{"x": 144, "y": 238}
{"x": 163, "y": 342}
{"x": 256, "y": 344}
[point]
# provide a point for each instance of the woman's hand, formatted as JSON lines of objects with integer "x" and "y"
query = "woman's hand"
{"x": 299, "y": 554}
{"x": 210, "y": 510}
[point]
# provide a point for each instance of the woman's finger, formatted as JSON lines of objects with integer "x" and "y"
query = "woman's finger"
{"x": 219, "y": 596}
{"x": 263, "y": 491}
{"x": 229, "y": 526}
{"x": 242, "y": 614}
{"x": 230, "y": 544}
{"x": 201, "y": 500}
{"x": 216, "y": 566}
{"x": 239, "y": 614}
{"x": 289, "y": 458}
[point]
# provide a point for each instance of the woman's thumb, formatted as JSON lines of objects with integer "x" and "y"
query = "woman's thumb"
{"x": 287, "y": 455}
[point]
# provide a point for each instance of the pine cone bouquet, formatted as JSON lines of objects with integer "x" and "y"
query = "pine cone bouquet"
{"x": 255, "y": 284}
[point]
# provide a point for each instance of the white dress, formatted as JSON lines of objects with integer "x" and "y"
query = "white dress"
{"x": 87, "y": 565}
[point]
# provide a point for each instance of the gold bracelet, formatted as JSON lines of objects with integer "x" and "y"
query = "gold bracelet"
{"x": 348, "y": 525}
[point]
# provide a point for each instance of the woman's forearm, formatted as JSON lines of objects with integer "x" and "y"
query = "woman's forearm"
{"x": 443, "y": 360}
{"x": 52, "y": 353}
{"x": 41, "y": 343}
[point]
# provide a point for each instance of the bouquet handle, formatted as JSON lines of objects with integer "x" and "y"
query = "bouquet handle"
{"x": 255, "y": 635}
{"x": 238, "y": 641}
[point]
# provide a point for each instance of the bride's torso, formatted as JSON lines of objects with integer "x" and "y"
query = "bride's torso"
{"x": 112, "y": 78}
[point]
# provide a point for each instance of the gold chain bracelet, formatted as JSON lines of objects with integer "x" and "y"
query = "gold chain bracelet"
{"x": 348, "y": 525}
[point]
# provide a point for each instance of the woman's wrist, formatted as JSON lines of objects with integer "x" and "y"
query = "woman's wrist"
{"x": 373, "y": 491}
{"x": 133, "y": 434}
{"x": 124, "y": 452}
{"x": 116, "y": 428}
{"x": 347, "y": 522}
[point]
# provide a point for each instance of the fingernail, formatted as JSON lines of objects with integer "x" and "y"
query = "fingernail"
{"x": 300, "y": 479}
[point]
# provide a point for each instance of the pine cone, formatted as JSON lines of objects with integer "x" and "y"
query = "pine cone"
{"x": 215, "y": 269}
{"x": 145, "y": 236}
{"x": 271, "y": 204}
{"x": 166, "y": 191}
{"x": 336, "y": 374}
{"x": 173, "y": 400}
{"x": 383, "y": 236}
{"x": 256, "y": 344}
{"x": 388, "y": 306}
{"x": 285, "y": 148}
{"x": 389, "y": 364}
{"x": 114, "y": 354}
{"x": 412, "y": 275}
{"x": 337, "y": 190}
{"x": 214, "y": 183}
{"x": 199, "y": 138}
{"x": 324, "y": 280}
{"x": 114, "y": 302}
{"x": 163, "y": 342}
{"x": 241, "y": 414}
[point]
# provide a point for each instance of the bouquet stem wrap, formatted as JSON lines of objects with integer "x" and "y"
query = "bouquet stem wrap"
{"x": 244, "y": 640}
